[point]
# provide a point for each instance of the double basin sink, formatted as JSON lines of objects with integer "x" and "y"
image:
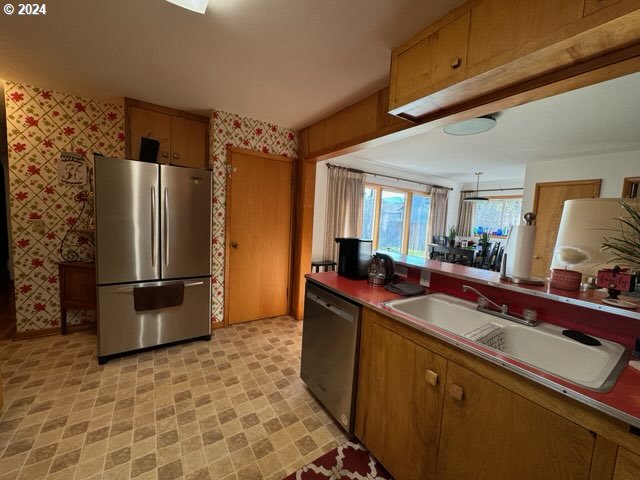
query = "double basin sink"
{"x": 543, "y": 346}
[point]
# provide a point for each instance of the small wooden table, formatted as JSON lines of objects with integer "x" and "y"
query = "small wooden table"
{"x": 77, "y": 288}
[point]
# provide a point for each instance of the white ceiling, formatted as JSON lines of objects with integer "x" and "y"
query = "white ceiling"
{"x": 290, "y": 62}
{"x": 599, "y": 119}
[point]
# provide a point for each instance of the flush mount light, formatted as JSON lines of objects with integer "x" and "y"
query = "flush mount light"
{"x": 471, "y": 126}
{"x": 198, "y": 6}
{"x": 476, "y": 197}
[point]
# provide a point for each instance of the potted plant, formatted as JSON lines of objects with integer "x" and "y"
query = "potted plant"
{"x": 625, "y": 245}
{"x": 452, "y": 236}
{"x": 564, "y": 278}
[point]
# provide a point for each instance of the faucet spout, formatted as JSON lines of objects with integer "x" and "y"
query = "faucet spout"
{"x": 484, "y": 301}
{"x": 528, "y": 317}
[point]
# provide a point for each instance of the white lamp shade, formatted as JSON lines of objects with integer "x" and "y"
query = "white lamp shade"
{"x": 584, "y": 224}
{"x": 199, "y": 6}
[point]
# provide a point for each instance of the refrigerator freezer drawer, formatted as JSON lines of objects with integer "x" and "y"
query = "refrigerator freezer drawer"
{"x": 122, "y": 329}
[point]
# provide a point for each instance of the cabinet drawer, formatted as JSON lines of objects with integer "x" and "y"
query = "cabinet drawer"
{"x": 435, "y": 58}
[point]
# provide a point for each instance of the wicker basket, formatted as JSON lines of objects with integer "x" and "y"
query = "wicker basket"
{"x": 565, "y": 279}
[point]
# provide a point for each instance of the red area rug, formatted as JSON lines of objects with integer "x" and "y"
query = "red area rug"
{"x": 349, "y": 461}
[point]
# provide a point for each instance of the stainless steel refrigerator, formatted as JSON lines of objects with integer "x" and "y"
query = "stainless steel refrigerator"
{"x": 153, "y": 254}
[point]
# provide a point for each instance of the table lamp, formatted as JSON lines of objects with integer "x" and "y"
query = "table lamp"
{"x": 583, "y": 227}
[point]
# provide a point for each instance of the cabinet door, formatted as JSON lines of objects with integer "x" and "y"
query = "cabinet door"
{"x": 498, "y": 26}
{"x": 432, "y": 59}
{"x": 188, "y": 146}
{"x": 627, "y": 466}
{"x": 151, "y": 124}
{"x": 489, "y": 432}
{"x": 399, "y": 401}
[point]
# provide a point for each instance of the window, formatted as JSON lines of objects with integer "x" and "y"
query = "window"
{"x": 396, "y": 220}
{"x": 497, "y": 216}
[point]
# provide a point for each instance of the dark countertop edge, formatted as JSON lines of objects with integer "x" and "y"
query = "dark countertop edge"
{"x": 602, "y": 407}
{"x": 405, "y": 261}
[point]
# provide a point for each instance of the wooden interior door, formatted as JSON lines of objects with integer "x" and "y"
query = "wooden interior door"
{"x": 548, "y": 204}
{"x": 150, "y": 124}
{"x": 258, "y": 235}
{"x": 399, "y": 404}
{"x": 491, "y": 433}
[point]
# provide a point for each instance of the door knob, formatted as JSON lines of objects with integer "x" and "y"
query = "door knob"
{"x": 234, "y": 245}
{"x": 536, "y": 257}
{"x": 456, "y": 62}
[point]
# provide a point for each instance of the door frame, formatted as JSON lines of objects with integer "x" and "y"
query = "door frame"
{"x": 227, "y": 224}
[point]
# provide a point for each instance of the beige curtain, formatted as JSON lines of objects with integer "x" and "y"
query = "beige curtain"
{"x": 437, "y": 212}
{"x": 465, "y": 215}
{"x": 345, "y": 196}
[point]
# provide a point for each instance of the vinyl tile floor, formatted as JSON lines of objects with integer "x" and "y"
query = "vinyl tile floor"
{"x": 233, "y": 408}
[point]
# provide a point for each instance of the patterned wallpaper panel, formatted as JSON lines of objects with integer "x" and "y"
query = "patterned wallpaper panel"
{"x": 40, "y": 125}
{"x": 230, "y": 130}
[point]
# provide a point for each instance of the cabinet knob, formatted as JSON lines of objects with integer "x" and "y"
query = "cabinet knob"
{"x": 431, "y": 377}
{"x": 456, "y": 392}
{"x": 176, "y": 156}
{"x": 456, "y": 62}
{"x": 536, "y": 257}
{"x": 164, "y": 154}
{"x": 234, "y": 245}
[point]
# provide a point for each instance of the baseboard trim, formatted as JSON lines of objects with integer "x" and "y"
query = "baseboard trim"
{"x": 47, "y": 332}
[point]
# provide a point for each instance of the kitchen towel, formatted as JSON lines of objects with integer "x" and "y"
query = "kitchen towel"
{"x": 161, "y": 296}
{"x": 523, "y": 257}
{"x": 405, "y": 288}
{"x": 489, "y": 334}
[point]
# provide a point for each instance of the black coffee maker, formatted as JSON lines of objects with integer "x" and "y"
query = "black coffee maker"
{"x": 354, "y": 257}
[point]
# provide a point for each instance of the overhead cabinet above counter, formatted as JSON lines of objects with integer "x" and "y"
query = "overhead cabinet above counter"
{"x": 183, "y": 137}
{"x": 486, "y": 46}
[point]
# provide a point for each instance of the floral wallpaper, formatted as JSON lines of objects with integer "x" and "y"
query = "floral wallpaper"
{"x": 230, "y": 130}
{"x": 40, "y": 125}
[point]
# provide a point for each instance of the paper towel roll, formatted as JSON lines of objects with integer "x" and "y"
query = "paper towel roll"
{"x": 526, "y": 237}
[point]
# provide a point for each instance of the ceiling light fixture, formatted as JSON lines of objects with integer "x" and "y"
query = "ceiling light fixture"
{"x": 476, "y": 197}
{"x": 471, "y": 126}
{"x": 199, "y": 6}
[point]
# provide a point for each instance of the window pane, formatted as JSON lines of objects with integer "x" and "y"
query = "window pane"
{"x": 391, "y": 221}
{"x": 496, "y": 217}
{"x": 418, "y": 225}
{"x": 368, "y": 213}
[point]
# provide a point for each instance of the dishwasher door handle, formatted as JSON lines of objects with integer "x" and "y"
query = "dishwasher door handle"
{"x": 329, "y": 306}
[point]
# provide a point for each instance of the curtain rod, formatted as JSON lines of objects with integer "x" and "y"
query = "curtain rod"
{"x": 493, "y": 190}
{"x": 355, "y": 170}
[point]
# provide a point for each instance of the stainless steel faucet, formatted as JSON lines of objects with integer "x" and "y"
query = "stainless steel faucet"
{"x": 528, "y": 318}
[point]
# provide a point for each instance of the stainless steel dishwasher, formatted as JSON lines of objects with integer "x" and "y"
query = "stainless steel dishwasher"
{"x": 330, "y": 343}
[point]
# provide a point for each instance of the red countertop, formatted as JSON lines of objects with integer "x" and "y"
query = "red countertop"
{"x": 621, "y": 402}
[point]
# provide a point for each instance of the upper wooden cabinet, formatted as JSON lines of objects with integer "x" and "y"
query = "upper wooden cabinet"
{"x": 399, "y": 402}
{"x": 503, "y": 436}
{"x": 430, "y": 58}
{"x": 501, "y": 44}
{"x": 627, "y": 466}
{"x": 183, "y": 137}
{"x": 498, "y": 26}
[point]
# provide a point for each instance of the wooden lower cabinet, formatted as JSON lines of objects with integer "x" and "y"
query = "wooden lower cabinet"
{"x": 399, "y": 402}
{"x": 427, "y": 410}
{"x": 627, "y": 466}
{"x": 495, "y": 434}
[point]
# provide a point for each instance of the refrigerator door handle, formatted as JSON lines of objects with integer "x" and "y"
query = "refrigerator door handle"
{"x": 192, "y": 284}
{"x": 130, "y": 289}
{"x": 153, "y": 226}
{"x": 166, "y": 227}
